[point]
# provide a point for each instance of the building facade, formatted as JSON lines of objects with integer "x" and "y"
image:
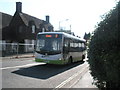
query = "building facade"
{"x": 23, "y": 28}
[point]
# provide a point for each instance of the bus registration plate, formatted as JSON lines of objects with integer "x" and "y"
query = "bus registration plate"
{"x": 46, "y": 61}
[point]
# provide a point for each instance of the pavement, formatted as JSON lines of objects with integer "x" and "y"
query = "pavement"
{"x": 86, "y": 81}
{"x": 13, "y": 57}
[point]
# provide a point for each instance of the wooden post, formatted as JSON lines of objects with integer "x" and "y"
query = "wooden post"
{"x": 17, "y": 50}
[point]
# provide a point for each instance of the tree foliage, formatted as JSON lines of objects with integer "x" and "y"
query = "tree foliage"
{"x": 104, "y": 50}
{"x": 87, "y": 36}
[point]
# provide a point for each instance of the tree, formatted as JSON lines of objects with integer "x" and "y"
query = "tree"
{"x": 104, "y": 51}
{"x": 87, "y": 36}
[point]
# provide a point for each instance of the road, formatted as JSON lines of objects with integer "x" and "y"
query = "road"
{"x": 26, "y": 73}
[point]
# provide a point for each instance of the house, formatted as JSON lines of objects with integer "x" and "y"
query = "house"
{"x": 23, "y": 29}
{"x": 4, "y": 27}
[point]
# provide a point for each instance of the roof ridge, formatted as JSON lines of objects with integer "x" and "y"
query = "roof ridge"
{"x": 31, "y": 16}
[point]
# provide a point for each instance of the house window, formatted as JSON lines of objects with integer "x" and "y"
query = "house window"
{"x": 20, "y": 29}
{"x": 33, "y": 28}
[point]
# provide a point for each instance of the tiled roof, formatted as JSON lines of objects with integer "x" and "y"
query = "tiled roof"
{"x": 26, "y": 18}
{"x": 6, "y": 18}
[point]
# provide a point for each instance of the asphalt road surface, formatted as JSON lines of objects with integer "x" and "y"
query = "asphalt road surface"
{"x": 26, "y": 73}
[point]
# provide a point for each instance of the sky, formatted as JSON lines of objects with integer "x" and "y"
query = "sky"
{"x": 78, "y": 15}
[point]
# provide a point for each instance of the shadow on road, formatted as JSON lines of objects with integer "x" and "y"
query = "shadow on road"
{"x": 45, "y": 71}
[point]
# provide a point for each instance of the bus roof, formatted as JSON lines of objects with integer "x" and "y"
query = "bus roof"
{"x": 65, "y": 34}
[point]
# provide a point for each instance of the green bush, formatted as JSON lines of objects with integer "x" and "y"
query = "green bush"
{"x": 104, "y": 51}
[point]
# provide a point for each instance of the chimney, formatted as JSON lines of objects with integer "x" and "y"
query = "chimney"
{"x": 47, "y": 19}
{"x": 18, "y": 7}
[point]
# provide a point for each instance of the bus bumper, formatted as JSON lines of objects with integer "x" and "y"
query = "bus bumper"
{"x": 60, "y": 62}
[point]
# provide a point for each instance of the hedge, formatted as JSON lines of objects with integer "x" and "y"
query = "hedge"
{"x": 104, "y": 51}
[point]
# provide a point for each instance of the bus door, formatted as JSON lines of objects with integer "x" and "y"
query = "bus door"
{"x": 65, "y": 48}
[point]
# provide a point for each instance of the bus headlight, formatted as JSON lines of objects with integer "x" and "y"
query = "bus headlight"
{"x": 60, "y": 59}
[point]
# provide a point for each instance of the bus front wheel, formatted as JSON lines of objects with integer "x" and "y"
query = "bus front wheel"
{"x": 83, "y": 57}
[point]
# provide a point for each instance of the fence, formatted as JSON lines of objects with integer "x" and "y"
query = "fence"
{"x": 7, "y": 49}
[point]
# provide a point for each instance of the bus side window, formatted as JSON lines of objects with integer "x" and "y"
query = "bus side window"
{"x": 82, "y": 45}
{"x": 71, "y": 49}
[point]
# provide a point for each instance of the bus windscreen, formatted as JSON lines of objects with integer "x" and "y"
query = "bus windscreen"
{"x": 49, "y": 43}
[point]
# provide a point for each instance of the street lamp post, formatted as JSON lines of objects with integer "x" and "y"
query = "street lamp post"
{"x": 70, "y": 27}
{"x": 61, "y": 22}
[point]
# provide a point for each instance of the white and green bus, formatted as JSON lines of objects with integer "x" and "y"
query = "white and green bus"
{"x": 59, "y": 48}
